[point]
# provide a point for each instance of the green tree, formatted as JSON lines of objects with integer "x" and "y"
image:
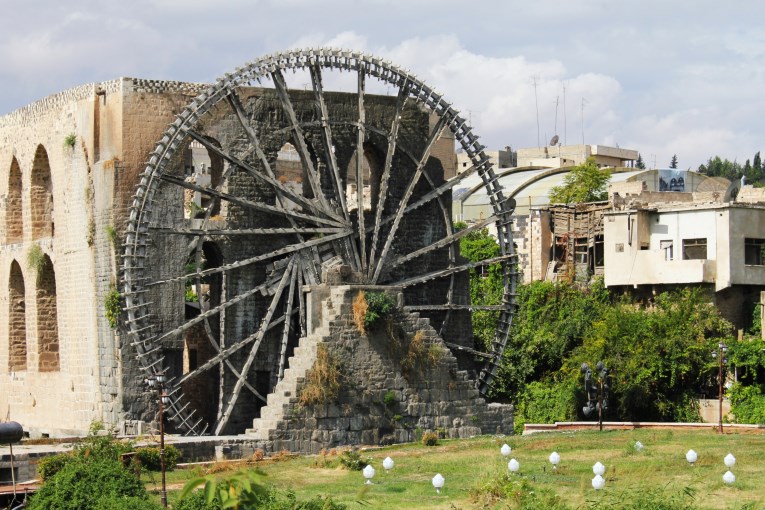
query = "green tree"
{"x": 486, "y": 283}
{"x": 673, "y": 162}
{"x": 639, "y": 162}
{"x": 584, "y": 183}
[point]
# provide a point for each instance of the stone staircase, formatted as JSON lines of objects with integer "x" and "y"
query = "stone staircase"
{"x": 285, "y": 392}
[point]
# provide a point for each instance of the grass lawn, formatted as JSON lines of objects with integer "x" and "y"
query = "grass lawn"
{"x": 660, "y": 471}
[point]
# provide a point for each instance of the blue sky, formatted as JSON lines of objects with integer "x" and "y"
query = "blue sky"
{"x": 663, "y": 77}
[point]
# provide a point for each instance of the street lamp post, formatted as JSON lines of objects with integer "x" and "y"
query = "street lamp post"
{"x": 158, "y": 381}
{"x": 720, "y": 354}
{"x": 597, "y": 391}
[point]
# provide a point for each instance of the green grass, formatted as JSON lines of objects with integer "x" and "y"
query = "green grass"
{"x": 660, "y": 471}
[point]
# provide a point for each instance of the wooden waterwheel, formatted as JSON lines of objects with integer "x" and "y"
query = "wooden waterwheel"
{"x": 294, "y": 183}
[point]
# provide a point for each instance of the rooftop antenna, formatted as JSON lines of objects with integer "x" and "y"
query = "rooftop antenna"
{"x": 557, "y": 101}
{"x": 565, "y": 131}
{"x": 536, "y": 103}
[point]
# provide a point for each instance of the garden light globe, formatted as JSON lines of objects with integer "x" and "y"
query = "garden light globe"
{"x": 729, "y": 460}
{"x": 438, "y": 482}
{"x": 598, "y": 482}
{"x": 729, "y": 478}
{"x": 598, "y": 469}
{"x": 691, "y": 457}
{"x": 513, "y": 466}
{"x": 638, "y": 445}
{"x": 554, "y": 459}
{"x": 388, "y": 463}
{"x": 505, "y": 450}
{"x": 369, "y": 473}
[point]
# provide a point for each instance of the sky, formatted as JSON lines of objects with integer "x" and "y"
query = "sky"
{"x": 663, "y": 77}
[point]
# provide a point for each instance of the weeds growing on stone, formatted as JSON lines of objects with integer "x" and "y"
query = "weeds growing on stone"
{"x": 322, "y": 380}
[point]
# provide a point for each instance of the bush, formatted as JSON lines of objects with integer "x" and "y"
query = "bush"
{"x": 747, "y": 404}
{"x": 322, "y": 380}
{"x": 49, "y": 466}
{"x": 546, "y": 403}
{"x": 430, "y": 439}
{"x": 113, "y": 307}
{"x": 380, "y": 306}
{"x": 351, "y": 459}
{"x": 149, "y": 458}
{"x": 83, "y": 483}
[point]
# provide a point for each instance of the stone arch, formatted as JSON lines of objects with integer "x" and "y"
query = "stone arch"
{"x": 203, "y": 168}
{"x": 47, "y": 318}
{"x": 17, "y": 320}
{"x": 14, "y": 223}
{"x": 41, "y": 199}
{"x": 372, "y": 168}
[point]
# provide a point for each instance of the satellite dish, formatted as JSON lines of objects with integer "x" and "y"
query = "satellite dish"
{"x": 554, "y": 140}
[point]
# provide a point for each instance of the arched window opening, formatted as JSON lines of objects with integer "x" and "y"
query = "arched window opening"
{"x": 14, "y": 225}
{"x": 197, "y": 346}
{"x": 203, "y": 168}
{"x": 47, "y": 318}
{"x": 41, "y": 194}
{"x": 289, "y": 172}
{"x": 371, "y": 172}
{"x": 17, "y": 320}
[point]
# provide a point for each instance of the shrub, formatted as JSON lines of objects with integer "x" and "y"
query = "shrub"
{"x": 49, "y": 466}
{"x": 747, "y": 404}
{"x": 351, "y": 459}
{"x": 113, "y": 307}
{"x": 149, "y": 458}
{"x": 380, "y": 306}
{"x": 389, "y": 398}
{"x": 36, "y": 259}
{"x": 111, "y": 233}
{"x": 430, "y": 439}
{"x": 70, "y": 140}
{"x": 323, "y": 379}
{"x": 360, "y": 308}
{"x": 83, "y": 483}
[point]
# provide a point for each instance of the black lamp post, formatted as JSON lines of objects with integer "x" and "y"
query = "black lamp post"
{"x": 720, "y": 354}
{"x": 597, "y": 390}
{"x": 158, "y": 381}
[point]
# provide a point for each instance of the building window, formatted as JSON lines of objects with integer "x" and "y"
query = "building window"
{"x": 667, "y": 248}
{"x": 694, "y": 249}
{"x": 754, "y": 252}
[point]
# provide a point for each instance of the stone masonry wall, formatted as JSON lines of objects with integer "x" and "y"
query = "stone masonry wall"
{"x": 384, "y": 398}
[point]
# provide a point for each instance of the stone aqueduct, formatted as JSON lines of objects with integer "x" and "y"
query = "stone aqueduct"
{"x": 79, "y": 190}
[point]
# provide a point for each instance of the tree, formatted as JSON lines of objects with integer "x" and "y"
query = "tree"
{"x": 673, "y": 163}
{"x": 639, "y": 162}
{"x": 584, "y": 183}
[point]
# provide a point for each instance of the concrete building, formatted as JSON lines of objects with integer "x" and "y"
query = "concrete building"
{"x": 557, "y": 156}
{"x": 503, "y": 158}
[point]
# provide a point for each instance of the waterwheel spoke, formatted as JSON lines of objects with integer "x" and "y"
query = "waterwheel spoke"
{"x": 360, "y": 167}
{"x": 287, "y": 323}
{"x": 326, "y": 131}
{"x": 290, "y": 248}
{"x": 449, "y": 271}
{"x": 277, "y": 186}
{"x": 403, "y": 93}
{"x": 248, "y": 231}
{"x": 434, "y": 136}
{"x": 258, "y": 206}
{"x": 442, "y": 242}
{"x": 305, "y": 157}
{"x": 254, "y": 350}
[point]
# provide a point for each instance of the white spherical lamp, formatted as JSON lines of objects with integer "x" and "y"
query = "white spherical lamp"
{"x": 554, "y": 459}
{"x": 729, "y": 460}
{"x": 513, "y": 466}
{"x": 598, "y": 469}
{"x": 691, "y": 457}
{"x": 438, "y": 482}
{"x": 505, "y": 450}
{"x": 638, "y": 446}
{"x": 369, "y": 473}
{"x": 388, "y": 463}
{"x": 729, "y": 478}
{"x": 598, "y": 482}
